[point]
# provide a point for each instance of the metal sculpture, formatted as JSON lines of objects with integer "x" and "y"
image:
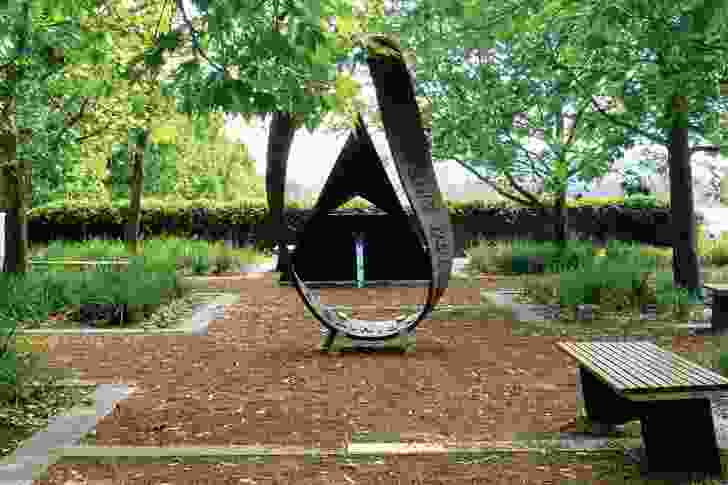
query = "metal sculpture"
{"x": 359, "y": 172}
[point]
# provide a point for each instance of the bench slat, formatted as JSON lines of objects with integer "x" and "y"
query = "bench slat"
{"x": 654, "y": 362}
{"x": 658, "y": 368}
{"x": 655, "y": 367}
{"x": 642, "y": 368}
{"x": 680, "y": 368}
{"x": 614, "y": 377}
{"x": 672, "y": 362}
{"x": 615, "y": 361}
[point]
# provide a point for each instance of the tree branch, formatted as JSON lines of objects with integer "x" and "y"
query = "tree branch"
{"x": 712, "y": 149}
{"x": 529, "y": 201}
{"x": 567, "y": 70}
{"x": 194, "y": 32}
{"x": 521, "y": 190}
{"x": 576, "y": 123}
{"x": 96, "y": 133}
{"x": 649, "y": 136}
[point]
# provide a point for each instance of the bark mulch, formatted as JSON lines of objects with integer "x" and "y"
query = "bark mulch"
{"x": 258, "y": 378}
{"x": 516, "y": 469}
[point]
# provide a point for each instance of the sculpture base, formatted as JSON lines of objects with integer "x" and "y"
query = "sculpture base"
{"x": 342, "y": 343}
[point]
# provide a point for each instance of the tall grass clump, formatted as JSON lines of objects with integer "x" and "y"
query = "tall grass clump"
{"x": 508, "y": 257}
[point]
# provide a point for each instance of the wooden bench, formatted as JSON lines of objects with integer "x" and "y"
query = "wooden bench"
{"x": 719, "y": 316}
{"x": 622, "y": 381}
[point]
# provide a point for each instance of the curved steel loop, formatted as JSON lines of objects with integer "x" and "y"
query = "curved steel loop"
{"x": 410, "y": 149}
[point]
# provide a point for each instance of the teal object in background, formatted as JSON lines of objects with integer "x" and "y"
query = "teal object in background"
{"x": 359, "y": 251}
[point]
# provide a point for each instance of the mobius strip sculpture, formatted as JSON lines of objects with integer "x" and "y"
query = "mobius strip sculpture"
{"x": 359, "y": 172}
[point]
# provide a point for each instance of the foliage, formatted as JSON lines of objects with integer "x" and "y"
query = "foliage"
{"x": 239, "y": 74}
{"x": 128, "y": 103}
{"x": 149, "y": 278}
{"x": 721, "y": 363}
{"x": 39, "y": 115}
{"x": 641, "y": 201}
{"x": 632, "y": 184}
{"x": 554, "y": 257}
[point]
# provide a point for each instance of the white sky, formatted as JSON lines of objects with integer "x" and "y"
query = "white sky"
{"x": 313, "y": 155}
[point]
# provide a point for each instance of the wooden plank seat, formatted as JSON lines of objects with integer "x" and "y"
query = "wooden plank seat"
{"x": 622, "y": 381}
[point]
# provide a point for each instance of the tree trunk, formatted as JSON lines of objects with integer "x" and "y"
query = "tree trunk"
{"x": 282, "y": 130}
{"x": 14, "y": 203}
{"x": 686, "y": 270}
{"x": 15, "y": 198}
{"x": 137, "y": 147}
{"x": 561, "y": 232}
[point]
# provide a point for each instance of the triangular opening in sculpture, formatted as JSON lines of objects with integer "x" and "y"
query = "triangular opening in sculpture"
{"x": 358, "y": 174}
{"x": 359, "y": 171}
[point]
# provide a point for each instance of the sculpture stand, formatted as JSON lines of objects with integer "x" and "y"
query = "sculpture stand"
{"x": 335, "y": 342}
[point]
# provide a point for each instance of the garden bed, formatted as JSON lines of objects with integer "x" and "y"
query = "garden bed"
{"x": 34, "y": 308}
{"x": 259, "y": 378}
{"x": 168, "y": 314}
{"x": 27, "y": 408}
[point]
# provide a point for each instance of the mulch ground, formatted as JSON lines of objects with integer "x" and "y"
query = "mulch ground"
{"x": 258, "y": 378}
{"x": 518, "y": 469}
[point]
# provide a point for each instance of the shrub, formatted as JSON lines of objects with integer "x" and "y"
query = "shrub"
{"x": 641, "y": 201}
{"x": 722, "y": 363}
{"x": 668, "y": 296}
{"x": 20, "y": 369}
{"x": 662, "y": 257}
{"x": 613, "y": 284}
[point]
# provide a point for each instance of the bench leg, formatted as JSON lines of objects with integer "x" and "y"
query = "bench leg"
{"x": 602, "y": 404}
{"x": 679, "y": 437}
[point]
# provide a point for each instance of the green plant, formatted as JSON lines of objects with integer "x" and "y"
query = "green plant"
{"x": 641, "y": 201}
{"x": 223, "y": 262}
{"x": 615, "y": 284}
{"x": 661, "y": 257}
{"x": 151, "y": 276}
{"x": 576, "y": 254}
{"x": 30, "y": 375}
{"x": 667, "y": 295}
{"x": 200, "y": 263}
{"x": 722, "y": 363}
{"x": 716, "y": 252}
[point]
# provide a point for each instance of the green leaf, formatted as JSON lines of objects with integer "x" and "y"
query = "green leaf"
{"x": 153, "y": 57}
{"x": 189, "y": 67}
{"x": 311, "y": 123}
{"x": 168, "y": 40}
{"x": 136, "y": 104}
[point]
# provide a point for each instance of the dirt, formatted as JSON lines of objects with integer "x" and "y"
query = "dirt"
{"x": 493, "y": 469}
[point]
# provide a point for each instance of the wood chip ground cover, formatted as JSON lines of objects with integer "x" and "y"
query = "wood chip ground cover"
{"x": 501, "y": 469}
{"x": 258, "y": 378}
